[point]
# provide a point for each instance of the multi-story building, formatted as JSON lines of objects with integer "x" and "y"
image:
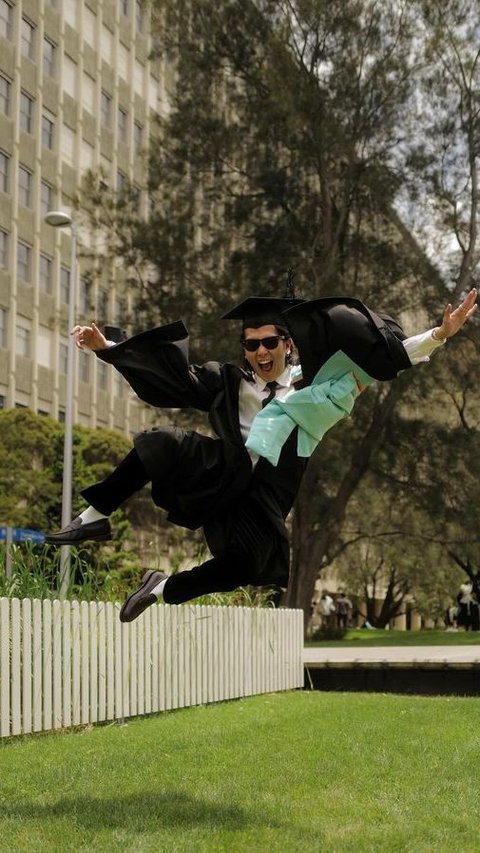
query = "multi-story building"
{"x": 78, "y": 92}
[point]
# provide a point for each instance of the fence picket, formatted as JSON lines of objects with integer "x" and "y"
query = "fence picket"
{"x": 27, "y": 720}
{"x": 66, "y": 663}
{"x": 57, "y": 665}
{"x": 76, "y": 664}
{"x": 147, "y": 654}
{"x": 110, "y": 662}
{"x": 85, "y": 662}
{"x": 47, "y": 665}
{"x": 102, "y": 662}
{"x": 16, "y": 675}
{"x": 93, "y": 655}
{"x": 4, "y": 667}
{"x": 37, "y": 665}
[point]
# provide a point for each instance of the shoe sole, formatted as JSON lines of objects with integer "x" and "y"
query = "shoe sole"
{"x": 104, "y": 538}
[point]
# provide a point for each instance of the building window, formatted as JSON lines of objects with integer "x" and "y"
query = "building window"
{"x": 44, "y": 346}
{"x": 46, "y": 198}
{"x": 138, "y": 77}
{"x": 120, "y": 309}
{"x": 137, "y": 135}
{"x": 90, "y": 27}
{"x": 48, "y": 130}
{"x": 24, "y": 186}
{"x": 84, "y": 297}
{"x": 68, "y": 145}
{"x": 70, "y": 12}
{"x": 106, "y": 109}
{"x": 28, "y": 39}
{"x": 24, "y": 261}
{"x": 63, "y": 359}
{"x": 84, "y": 366}
{"x": 139, "y": 15}
{"x": 3, "y": 249}
{"x": 61, "y": 416}
{"x": 123, "y": 61}
{"x": 102, "y": 303}
{"x": 3, "y": 328}
{"x": 88, "y": 93}
{"x": 121, "y": 182}
{"x": 22, "y": 340}
{"x": 4, "y": 170}
{"x": 106, "y": 45}
{"x": 6, "y": 19}
{"x": 122, "y": 125}
{"x": 87, "y": 155}
{"x": 69, "y": 76}
{"x": 45, "y": 269}
{"x": 26, "y": 113}
{"x": 102, "y": 376}
{"x": 49, "y": 56}
{"x": 5, "y": 89}
{"x": 64, "y": 285}
{"x": 119, "y": 390}
{"x": 124, "y": 4}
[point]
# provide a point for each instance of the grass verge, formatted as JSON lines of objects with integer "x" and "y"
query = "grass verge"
{"x": 325, "y": 772}
{"x": 378, "y": 637}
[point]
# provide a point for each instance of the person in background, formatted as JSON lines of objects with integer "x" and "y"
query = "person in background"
{"x": 344, "y": 608}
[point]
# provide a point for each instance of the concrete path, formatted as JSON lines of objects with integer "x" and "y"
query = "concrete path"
{"x": 392, "y": 655}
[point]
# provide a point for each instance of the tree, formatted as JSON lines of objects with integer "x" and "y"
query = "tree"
{"x": 288, "y": 142}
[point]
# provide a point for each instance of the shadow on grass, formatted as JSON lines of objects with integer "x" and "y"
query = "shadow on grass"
{"x": 138, "y": 812}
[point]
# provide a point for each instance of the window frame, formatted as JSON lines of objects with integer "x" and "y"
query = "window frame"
{"x": 26, "y": 117}
{"x": 27, "y": 45}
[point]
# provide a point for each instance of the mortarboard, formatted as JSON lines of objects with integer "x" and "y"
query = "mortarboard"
{"x": 262, "y": 311}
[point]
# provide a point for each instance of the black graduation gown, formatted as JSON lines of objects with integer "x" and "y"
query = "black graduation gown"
{"x": 212, "y": 478}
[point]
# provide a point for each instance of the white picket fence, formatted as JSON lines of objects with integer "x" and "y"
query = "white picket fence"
{"x": 68, "y": 663}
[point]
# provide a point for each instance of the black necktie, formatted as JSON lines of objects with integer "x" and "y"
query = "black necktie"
{"x": 272, "y": 387}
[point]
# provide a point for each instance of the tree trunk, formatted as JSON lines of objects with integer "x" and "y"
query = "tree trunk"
{"x": 315, "y": 538}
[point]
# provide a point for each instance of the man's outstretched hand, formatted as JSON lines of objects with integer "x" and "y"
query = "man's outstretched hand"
{"x": 90, "y": 337}
{"x": 453, "y": 320}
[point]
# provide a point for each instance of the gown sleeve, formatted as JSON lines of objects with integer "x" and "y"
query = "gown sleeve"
{"x": 155, "y": 364}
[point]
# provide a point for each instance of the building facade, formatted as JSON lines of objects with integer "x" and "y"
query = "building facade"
{"x": 78, "y": 93}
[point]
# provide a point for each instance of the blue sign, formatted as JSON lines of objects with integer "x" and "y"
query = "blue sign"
{"x": 22, "y": 534}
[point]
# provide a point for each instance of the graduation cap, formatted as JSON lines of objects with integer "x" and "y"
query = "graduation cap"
{"x": 262, "y": 311}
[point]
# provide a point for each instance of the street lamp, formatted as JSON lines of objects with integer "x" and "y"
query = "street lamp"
{"x": 60, "y": 219}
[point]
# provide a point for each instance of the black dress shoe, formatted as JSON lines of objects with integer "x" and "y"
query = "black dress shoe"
{"x": 142, "y": 598}
{"x": 77, "y": 531}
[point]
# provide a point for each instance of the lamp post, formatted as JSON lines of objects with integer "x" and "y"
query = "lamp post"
{"x": 60, "y": 219}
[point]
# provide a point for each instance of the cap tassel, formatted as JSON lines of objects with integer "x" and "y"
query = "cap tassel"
{"x": 290, "y": 286}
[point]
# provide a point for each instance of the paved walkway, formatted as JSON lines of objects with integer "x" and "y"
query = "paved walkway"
{"x": 409, "y": 656}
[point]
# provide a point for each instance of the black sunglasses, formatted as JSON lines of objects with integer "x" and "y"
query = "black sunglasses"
{"x": 252, "y": 344}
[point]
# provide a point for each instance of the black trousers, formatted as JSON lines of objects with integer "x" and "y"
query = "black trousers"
{"x": 248, "y": 548}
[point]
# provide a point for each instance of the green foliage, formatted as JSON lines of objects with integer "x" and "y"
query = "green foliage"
{"x": 293, "y": 132}
{"x": 30, "y": 450}
{"x": 35, "y": 572}
{"x": 31, "y": 458}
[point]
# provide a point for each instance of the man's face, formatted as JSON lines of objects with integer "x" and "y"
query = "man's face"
{"x": 268, "y": 364}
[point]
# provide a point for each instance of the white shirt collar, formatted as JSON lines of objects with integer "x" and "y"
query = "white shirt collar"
{"x": 284, "y": 380}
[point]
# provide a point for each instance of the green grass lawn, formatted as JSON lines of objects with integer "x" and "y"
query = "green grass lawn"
{"x": 301, "y": 771}
{"x": 378, "y": 637}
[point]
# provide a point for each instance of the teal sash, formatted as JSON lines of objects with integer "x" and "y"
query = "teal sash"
{"x": 314, "y": 410}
